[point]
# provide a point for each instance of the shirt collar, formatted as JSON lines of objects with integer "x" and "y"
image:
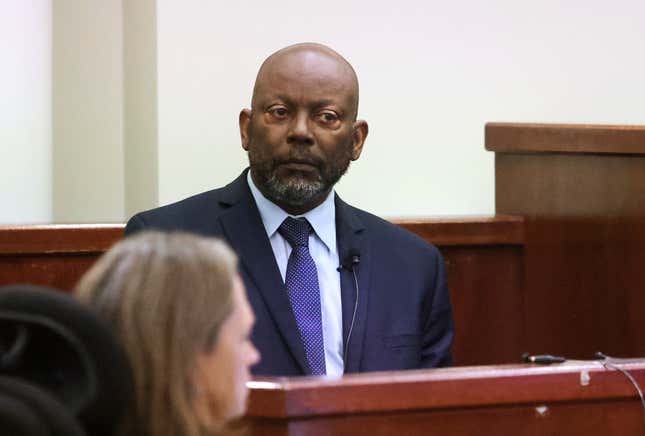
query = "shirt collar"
{"x": 322, "y": 218}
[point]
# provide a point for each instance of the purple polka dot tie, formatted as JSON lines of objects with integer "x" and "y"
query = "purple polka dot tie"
{"x": 304, "y": 293}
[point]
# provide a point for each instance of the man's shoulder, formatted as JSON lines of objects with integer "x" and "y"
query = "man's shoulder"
{"x": 197, "y": 213}
{"x": 181, "y": 215}
{"x": 386, "y": 233}
{"x": 185, "y": 206}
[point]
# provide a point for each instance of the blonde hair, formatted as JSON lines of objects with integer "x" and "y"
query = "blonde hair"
{"x": 166, "y": 295}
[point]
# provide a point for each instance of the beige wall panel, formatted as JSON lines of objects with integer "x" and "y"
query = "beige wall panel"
{"x": 25, "y": 112}
{"x": 88, "y": 155}
{"x": 140, "y": 110}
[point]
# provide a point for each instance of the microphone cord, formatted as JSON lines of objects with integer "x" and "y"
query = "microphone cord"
{"x": 607, "y": 363}
{"x": 351, "y": 325}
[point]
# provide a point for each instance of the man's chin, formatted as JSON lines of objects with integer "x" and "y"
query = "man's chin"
{"x": 295, "y": 192}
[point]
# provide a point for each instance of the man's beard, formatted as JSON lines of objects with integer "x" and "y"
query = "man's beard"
{"x": 298, "y": 189}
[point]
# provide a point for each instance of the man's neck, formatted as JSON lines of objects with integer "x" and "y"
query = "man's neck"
{"x": 291, "y": 210}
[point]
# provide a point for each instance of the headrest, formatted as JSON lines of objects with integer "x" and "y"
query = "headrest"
{"x": 18, "y": 419}
{"x": 26, "y": 410}
{"x": 53, "y": 341}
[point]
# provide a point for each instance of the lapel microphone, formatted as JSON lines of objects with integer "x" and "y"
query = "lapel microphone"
{"x": 352, "y": 260}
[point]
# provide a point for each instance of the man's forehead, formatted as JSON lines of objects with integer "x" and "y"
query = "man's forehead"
{"x": 295, "y": 84}
{"x": 306, "y": 71}
{"x": 306, "y": 57}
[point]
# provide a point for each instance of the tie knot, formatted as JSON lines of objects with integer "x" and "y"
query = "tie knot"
{"x": 295, "y": 231}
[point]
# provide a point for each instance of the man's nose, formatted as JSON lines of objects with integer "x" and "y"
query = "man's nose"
{"x": 300, "y": 132}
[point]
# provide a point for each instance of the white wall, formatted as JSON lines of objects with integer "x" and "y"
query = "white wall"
{"x": 25, "y": 111}
{"x": 163, "y": 109}
{"x": 431, "y": 73}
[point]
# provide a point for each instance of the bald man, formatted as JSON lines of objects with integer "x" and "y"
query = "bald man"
{"x": 334, "y": 289}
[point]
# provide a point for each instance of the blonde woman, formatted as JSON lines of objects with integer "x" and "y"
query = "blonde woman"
{"x": 179, "y": 307}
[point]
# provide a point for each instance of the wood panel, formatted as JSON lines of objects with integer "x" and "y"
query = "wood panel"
{"x": 53, "y": 255}
{"x": 582, "y": 191}
{"x": 584, "y": 286}
{"x": 486, "y": 289}
{"x": 59, "y": 238}
{"x": 577, "y": 398}
{"x": 565, "y": 138}
{"x": 468, "y": 231}
{"x": 483, "y": 256}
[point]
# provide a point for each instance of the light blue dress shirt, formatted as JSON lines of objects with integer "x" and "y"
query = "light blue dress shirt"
{"x": 323, "y": 250}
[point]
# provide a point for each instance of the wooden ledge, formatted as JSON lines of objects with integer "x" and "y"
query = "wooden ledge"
{"x": 482, "y": 386}
{"x": 564, "y": 138}
{"x": 476, "y": 230}
{"x": 72, "y": 239}
{"x": 59, "y": 238}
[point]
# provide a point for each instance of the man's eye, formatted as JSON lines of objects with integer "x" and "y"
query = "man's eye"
{"x": 328, "y": 117}
{"x": 278, "y": 112}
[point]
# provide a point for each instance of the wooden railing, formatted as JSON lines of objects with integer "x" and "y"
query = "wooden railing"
{"x": 483, "y": 257}
{"x": 573, "y": 399}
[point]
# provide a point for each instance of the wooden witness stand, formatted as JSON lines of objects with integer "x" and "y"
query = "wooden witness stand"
{"x": 581, "y": 193}
{"x": 560, "y": 269}
{"x": 578, "y": 398}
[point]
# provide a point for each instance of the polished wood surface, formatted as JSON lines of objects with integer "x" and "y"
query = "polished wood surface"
{"x": 52, "y": 255}
{"x": 487, "y": 292}
{"x": 476, "y": 230}
{"x": 584, "y": 233}
{"x": 483, "y": 255}
{"x": 565, "y": 138}
{"x": 59, "y": 238}
{"x": 575, "y": 398}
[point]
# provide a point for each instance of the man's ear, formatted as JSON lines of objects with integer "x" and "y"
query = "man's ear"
{"x": 245, "y": 121}
{"x": 360, "y": 133}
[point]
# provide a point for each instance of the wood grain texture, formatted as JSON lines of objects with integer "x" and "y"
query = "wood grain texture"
{"x": 487, "y": 293}
{"x": 470, "y": 400}
{"x": 58, "y": 238}
{"x": 59, "y": 271}
{"x": 53, "y": 255}
{"x": 573, "y": 185}
{"x": 484, "y": 261}
{"x": 564, "y": 138}
{"x": 584, "y": 238}
{"x": 571, "y": 419}
{"x": 451, "y": 387}
{"x": 478, "y": 230}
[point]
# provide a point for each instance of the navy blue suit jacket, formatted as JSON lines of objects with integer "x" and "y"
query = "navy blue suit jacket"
{"x": 403, "y": 315}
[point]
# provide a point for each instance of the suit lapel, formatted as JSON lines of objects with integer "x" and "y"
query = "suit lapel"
{"x": 243, "y": 227}
{"x": 352, "y": 235}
